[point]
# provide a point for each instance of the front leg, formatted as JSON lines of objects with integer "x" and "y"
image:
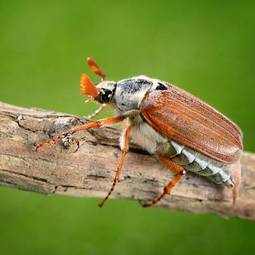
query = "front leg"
{"x": 95, "y": 124}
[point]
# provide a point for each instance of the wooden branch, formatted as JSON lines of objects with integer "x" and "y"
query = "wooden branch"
{"x": 89, "y": 171}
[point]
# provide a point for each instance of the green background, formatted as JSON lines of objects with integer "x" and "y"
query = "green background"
{"x": 205, "y": 47}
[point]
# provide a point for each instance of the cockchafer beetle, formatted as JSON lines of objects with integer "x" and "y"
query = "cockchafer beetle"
{"x": 185, "y": 133}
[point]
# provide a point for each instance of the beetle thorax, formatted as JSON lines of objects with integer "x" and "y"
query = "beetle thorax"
{"x": 130, "y": 93}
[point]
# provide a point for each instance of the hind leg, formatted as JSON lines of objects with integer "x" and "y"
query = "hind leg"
{"x": 179, "y": 172}
{"x": 235, "y": 170}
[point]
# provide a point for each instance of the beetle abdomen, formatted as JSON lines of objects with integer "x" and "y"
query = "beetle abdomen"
{"x": 200, "y": 164}
{"x": 181, "y": 117}
{"x": 152, "y": 141}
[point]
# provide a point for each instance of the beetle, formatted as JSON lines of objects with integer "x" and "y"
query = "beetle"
{"x": 185, "y": 133}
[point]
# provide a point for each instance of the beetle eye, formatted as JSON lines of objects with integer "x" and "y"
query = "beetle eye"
{"x": 104, "y": 96}
{"x": 161, "y": 86}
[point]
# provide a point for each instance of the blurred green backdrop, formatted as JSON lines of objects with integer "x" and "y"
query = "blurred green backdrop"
{"x": 206, "y": 47}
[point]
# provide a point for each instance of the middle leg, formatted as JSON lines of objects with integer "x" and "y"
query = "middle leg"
{"x": 124, "y": 149}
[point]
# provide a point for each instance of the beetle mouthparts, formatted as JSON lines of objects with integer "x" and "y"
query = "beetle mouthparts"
{"x": 88, "y": 88}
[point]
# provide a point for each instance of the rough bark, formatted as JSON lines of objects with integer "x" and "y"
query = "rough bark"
{"x": 89, "y": 171}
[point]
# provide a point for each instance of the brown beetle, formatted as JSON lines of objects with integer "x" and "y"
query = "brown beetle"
{"x": 185, "y": 133}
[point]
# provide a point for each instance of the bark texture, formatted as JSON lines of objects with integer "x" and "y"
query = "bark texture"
{"x": 89, "y": 171}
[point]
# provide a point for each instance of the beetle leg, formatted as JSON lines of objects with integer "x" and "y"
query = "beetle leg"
{"x": 95, "y": 124}
{"x": 179, "y": 172}
{"x": 235, "y": 170}
{"x": 124, "y": 149}
{"x": 97, "y": 111}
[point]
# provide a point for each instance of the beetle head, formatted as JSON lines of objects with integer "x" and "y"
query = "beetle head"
{"x": 102, "y": 92}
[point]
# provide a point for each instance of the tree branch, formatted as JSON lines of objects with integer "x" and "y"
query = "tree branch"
{"x": 89, "y": 171}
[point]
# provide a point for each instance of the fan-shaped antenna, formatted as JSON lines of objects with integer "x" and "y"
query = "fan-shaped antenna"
{"x": 95, "y": 68}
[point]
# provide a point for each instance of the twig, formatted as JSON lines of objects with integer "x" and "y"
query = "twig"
{"x": 89, "y": 171}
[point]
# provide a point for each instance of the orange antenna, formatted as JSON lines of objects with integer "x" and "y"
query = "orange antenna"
{"x": 95, "y": 68}
{"x": 88, "y": 88}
